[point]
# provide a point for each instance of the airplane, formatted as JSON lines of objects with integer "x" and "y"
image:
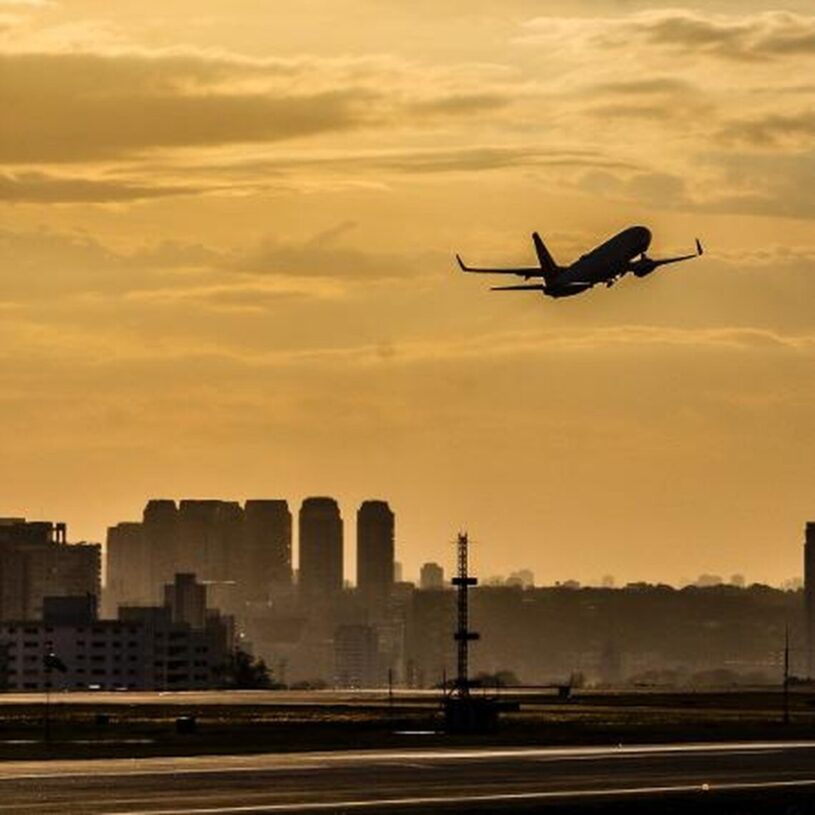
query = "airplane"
{"x": 625, "y": 252}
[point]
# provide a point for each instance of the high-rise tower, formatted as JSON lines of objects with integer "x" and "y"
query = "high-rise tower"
{"x": 375, "y": 551}
{"x": 321, "y": 564}
{"x": 160, "y": 530}
{"x": 266, "y": 547}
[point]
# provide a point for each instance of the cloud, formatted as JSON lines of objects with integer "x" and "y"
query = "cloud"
{"x": 78, "y": 107}
{"x": 321, "y": 256}
{"x": 747, "y": 37}
{"x": 468, "y": 158}
{"x": 459, "y": 104}
{"x": 771, "y": 130}
{"x": 44, "y": 188}
{"x": 85, "y": 106}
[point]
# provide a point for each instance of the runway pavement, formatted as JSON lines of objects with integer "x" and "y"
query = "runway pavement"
{"x": 416, "y": 780}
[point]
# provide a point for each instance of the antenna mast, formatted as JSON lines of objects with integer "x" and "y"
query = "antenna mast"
{"x": 463, "y": 635}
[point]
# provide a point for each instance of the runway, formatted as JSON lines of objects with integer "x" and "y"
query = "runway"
{"x": 415, "y": 780}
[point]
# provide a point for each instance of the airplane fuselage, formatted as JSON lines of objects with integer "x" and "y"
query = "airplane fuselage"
{"x": 606, "y": 263}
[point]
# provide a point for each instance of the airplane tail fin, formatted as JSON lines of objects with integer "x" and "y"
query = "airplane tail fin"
{"x": 547, "y": 262}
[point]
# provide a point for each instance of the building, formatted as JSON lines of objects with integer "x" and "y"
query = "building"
{"x": 36, "y": 561}
{"x": 809, "y": 597}
{"x": 431, "y": 576}
{"x": 160, "y": 529}
{"x": 129, "y": 561}
{"x": 357, "y": 659}
{"x": 321, "y": 550}
{"x": 375, "y": 552}
{"x": 266, "y": 556}
{"x": 209, "y": 535}
{"x": 187, "y": 600}
{"x": 96, "y": 653}
{"x": 145, "y": 648}
{"x": 220, "y": 541}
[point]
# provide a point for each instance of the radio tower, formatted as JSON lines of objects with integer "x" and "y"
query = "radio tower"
{"x": 463, "y": 635}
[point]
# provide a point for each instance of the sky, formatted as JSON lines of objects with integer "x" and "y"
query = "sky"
{"x": 226, "y": 270}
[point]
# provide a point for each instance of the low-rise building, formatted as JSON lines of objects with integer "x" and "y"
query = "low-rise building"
{"x": 144, "y": 648}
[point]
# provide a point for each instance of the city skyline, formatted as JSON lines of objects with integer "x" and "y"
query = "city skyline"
{"x": 227, "y": 268}
{"x": 350, "y": 552}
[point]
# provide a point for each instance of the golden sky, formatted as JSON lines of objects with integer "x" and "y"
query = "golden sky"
{"x": 225, "y": 271}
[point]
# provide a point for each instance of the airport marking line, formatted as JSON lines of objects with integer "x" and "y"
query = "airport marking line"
{"x": 315, "y": 806}
{"x": 270, "y": 762}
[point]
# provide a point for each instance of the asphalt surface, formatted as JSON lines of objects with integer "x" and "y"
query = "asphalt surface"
{"x": 506, "y": 779}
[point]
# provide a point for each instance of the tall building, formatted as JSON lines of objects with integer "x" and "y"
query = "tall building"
{"x": 200, "y": 537}
{"x": 266, "y": 554}
{"x": 129, "y": 567}
{"x": 36, "y": 561}
{"x": 245, "y": 550}
{"x": 375, "y": 551}
{"x": 431, "y": 576}
{"x": 809, "y": 597}
{"x": 321, "y": 549}
{"x": 160, "y": 521}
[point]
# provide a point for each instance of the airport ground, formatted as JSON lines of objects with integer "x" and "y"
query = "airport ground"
{"x": 265, "y": 752}
{"x": 96, "y": 724}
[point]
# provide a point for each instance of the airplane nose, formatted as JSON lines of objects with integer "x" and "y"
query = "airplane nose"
{"x": 643, "y": 236}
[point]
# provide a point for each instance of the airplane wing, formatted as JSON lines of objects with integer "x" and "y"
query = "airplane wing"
{"x": 535, "y": 271}
{"x": 665, "y": 261}
{"x": 522, "y": 287}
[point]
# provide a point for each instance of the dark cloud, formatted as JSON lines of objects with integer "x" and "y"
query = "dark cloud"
{"x": 461, "y": 104}
{"x": 75, "y": 107}
{"x": 462, "y": 159}
{"x": 652, "y": 86}
{"x": 771, "y": 130}
{"x": 742, "y": 37}
{"x": 43, "y": 188}
{"x": 747, "y": 37}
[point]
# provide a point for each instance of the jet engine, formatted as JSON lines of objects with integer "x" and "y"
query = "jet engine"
{"x": 644, "y": 266}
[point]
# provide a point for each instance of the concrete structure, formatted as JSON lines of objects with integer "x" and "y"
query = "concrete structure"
{"x": 431, "y": 576}
{"x": 375, "y": 552}
{"x": 321, "y": 550}
{"x": 36, "y": 561}
{"x": 809, "y": 597}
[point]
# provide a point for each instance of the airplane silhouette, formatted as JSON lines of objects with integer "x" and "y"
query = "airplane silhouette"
{"x": 612, "y": 260}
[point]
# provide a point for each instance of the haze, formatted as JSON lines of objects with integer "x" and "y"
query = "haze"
{"x": 226, "y": 270}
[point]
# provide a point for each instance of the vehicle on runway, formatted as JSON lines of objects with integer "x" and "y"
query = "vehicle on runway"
{"x": 625, "y": 252}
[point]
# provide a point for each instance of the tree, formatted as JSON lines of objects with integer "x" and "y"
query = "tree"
{"x": 243, "y": 671}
